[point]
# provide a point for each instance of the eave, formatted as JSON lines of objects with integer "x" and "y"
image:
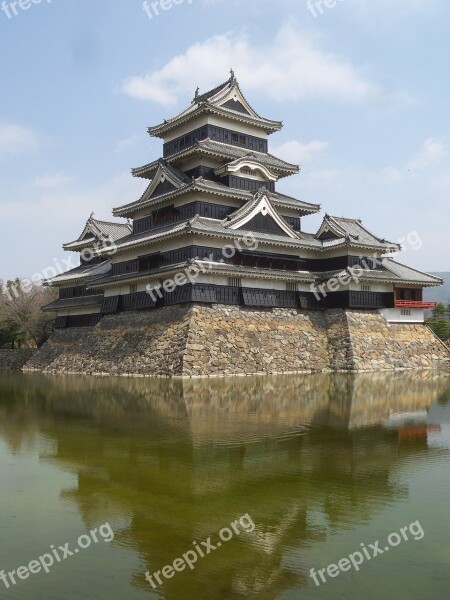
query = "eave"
{"x": 207, "y": 267}
{"x": 226, "y": 152}
{"x": 84, "y": 301}
{"x": 203, "y": 108}
{"x": 199, "y": 185}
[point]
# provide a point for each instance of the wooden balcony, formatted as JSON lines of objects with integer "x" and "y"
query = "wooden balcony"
{"x": 414, "y": 304}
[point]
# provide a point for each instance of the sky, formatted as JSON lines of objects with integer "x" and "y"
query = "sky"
{"x": 362, "y": 87}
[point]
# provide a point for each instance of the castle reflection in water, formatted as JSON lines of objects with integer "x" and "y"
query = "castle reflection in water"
{"x": 167, "y": 462}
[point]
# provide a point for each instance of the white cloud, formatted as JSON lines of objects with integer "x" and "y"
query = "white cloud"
{"x": 430, "y": 156}
{"x": 298, "y": 152}
{"x": 294, "y": 66}
{"x": 127, "y": 143}
{"x": 51, "y": 181}
{"x": 433, "y": 152}
{"x": 16, "y": 139}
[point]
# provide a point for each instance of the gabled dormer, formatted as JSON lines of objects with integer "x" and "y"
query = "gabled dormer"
{"x": 166, "y": 179}
{"x": 259, "y": 214}
{"x": 330, "y": 230}
{"x": 98, "y": 234}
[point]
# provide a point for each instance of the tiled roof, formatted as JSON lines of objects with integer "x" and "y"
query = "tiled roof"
{"x": 216, "y": 100}
{"x": 205, "y": 185}
{"x": 74, "y": 302}
{"x": 203, "y": 224}
{"x": 289, "y": 201}
{"x": 260, "y": 203}
{"x": 219, "y": 228}
{"x": 353, "y": 231}
{"x": 176, "y": 175}
{"x": 81, "y": 273}
{"x": 391, "y": 272}
{"x": 98, "y": 230}
{"x": 221, "y": 150}
{"x": 234, "y": 152}
{"x": 406, "y": 273}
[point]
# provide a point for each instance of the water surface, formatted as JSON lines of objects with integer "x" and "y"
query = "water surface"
{"x": 320, "y": 463}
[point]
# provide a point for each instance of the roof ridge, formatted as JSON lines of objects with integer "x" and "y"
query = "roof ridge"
{"x": 110, "y": 222}
{"x": 360, "y": 223}
{"x": 200, "y": 97}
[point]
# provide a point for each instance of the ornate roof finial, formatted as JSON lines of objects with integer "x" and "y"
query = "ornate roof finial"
{"x": 197, "y": 92}
{"x": 233, "y": 77}
{"x": 91, "y": 216}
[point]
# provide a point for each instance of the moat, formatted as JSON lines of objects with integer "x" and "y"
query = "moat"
{"x": 320, "y": 463}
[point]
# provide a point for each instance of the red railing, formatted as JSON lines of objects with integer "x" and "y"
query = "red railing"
{"x": 414, "y": 304}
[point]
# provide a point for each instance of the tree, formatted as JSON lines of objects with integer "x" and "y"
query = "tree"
{"x": 440, "y": 311}
{"x": 22, "y": 322}
{"x": 441, "y": 328}
{"x": 7, "y": 335}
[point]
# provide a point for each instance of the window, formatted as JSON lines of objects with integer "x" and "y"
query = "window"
{"x": 185, "y": 141}
{"x": 234, "y": 281}
{"x": 291, "y": 286}
{"x": 405, "y": 312}
{"x": 133, "y": 289}
{"x": 365, "y": 288}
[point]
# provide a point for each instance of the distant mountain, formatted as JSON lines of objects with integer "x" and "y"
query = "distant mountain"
{"x": 440, "y": 294}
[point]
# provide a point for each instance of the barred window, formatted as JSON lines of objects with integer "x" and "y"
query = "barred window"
{"x": 234, "y": 281}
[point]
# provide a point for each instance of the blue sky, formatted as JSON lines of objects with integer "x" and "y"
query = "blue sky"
{"x": 363, "y": 90}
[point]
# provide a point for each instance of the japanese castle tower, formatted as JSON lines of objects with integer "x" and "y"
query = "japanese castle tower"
{"x": 213, "y": 228}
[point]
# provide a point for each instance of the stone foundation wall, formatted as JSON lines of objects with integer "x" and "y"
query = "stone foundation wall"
{"x": 15, "y": 359}
{"x": 135, "y": 343}
{"x": 376, "y": 345}
{"x": 234, "y": 340}
{"x": 202, "y": 340}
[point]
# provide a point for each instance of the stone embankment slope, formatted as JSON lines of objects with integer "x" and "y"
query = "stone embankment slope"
{"x": 199, "y": 340}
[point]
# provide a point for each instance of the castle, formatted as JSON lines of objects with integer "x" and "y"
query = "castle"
{"x": 213, "y": 230}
